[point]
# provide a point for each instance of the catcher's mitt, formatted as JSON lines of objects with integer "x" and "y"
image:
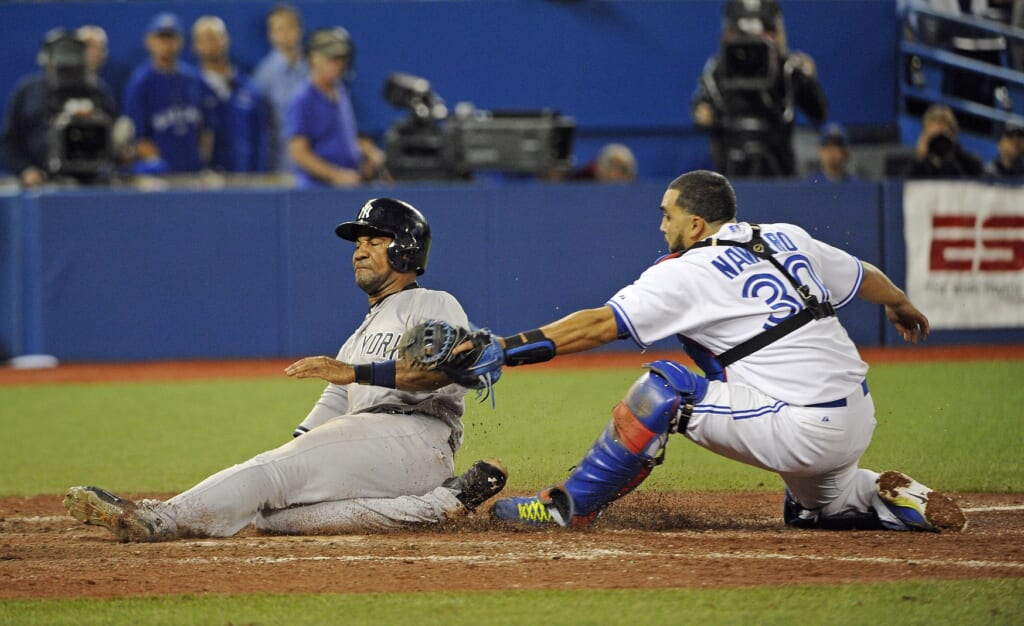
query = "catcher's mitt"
{"x": 436, "y": 344}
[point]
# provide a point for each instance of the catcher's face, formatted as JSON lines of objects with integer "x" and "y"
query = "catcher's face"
{"x": 682, "y": 229}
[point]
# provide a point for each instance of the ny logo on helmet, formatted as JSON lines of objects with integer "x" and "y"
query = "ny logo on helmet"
{"x": 364, "y": 212}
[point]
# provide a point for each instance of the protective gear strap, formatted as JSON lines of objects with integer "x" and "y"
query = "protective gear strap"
{"x": 813, "y": 308}
{"x": 630, "y": 446}
{"x": 531, "y": 346}
{"x": 690, "y": 387}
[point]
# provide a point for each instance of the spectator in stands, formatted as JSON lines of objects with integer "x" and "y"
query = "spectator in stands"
{"x": 938, "y": 152}
{"x": 1009, "y": 162}
{"x": 614, "y": 164}
{"x": 240, "y": 119}
{"x": 96, "y": 50}
{"x": 281, "y": 74}
{"x": 169, "y": 104}
{"x": 96, "y": 53}
{"x": 321, "y": 127}
{"x": 64, "y": 87}
{"x": 749, "y": 92}
{"x": 833, "y": 156}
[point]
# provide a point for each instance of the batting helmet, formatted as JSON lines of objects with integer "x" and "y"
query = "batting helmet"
{"x": 407, "y": 227}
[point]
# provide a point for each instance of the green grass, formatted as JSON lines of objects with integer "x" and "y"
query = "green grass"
{"x": 941, "y": 602}
{"x": 957, "y": 426}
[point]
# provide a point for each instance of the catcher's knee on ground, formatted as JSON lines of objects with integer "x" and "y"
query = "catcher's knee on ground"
{"x": 631, "y": 445}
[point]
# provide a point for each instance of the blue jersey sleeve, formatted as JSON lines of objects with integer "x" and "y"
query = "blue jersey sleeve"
{"x": 135, "y": 104}
{"x": 297, "y": 118}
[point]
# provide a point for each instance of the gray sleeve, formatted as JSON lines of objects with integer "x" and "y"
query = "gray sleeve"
{"x": 333, "y": 402}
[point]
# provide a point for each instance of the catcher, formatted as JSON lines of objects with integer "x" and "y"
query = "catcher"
{"x": 783, "y": 389}
{"x": 375, "y": 452}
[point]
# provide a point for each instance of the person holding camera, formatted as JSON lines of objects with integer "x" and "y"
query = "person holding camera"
{"x": 65, "y": 94}
{"x": 748, "y": 94}
{"x": 938, "y": 151}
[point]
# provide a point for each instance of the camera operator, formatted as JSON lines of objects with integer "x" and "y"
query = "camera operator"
{"x": 58, "y": 122}
{"x": 748, "y": 93}
{"x": 938, "y": 151}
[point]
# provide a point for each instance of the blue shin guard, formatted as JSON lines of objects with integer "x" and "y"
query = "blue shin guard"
{"x": 630, "y": 446}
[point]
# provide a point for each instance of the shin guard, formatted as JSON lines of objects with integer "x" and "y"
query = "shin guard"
{"x": 630, "y": 446}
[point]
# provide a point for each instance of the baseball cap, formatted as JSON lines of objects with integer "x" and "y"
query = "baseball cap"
{"x": 1012, "y": 129}
{"x": 164, "y": 24}
{"x": 834, "y": 133}
{"x": 331, "y": 42}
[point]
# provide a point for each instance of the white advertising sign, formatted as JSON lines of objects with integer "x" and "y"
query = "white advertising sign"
{"x": 965, "y": 253}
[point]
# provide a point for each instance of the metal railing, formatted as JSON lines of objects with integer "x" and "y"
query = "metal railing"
{"x": 923, "y": 63}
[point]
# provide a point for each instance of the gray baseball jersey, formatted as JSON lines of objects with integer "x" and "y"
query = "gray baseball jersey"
{"x": 367, "y": 457}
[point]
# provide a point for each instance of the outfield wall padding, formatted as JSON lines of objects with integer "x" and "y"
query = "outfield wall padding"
{"x": 114, "y": 276}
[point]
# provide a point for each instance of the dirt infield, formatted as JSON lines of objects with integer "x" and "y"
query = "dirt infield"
{"x": 647, "y": 540}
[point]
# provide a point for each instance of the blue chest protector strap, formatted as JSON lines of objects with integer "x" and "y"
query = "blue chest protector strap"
{"x": 813, "y": 308}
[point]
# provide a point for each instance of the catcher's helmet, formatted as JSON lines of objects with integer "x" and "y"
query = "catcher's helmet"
{"x": 407, "y": 227}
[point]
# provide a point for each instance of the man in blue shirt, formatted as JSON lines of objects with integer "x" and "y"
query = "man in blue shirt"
{"x": 280, "y": 75}
{"x": 240, "y": 136}
{"x": 321, "y": 126}
{"x": 169, "y": 105}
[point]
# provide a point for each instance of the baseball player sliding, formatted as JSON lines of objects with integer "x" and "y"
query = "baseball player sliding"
{"x": 784, "y": 388}
{"x": 376, "y": 451}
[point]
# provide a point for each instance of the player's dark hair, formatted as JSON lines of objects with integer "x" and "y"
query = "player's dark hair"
{"x": 706, "y": 194}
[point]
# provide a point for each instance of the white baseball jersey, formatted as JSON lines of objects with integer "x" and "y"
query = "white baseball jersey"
{"x": 721, "y": 296}
{"x": 800, "y": 406}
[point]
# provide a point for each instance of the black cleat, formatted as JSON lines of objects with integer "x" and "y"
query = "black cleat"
{"x": 483, "y": 480}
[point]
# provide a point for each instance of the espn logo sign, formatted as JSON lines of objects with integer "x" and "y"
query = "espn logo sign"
{"x": 961, "y": 244}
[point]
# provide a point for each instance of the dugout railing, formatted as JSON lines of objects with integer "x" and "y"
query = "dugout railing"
{"x": 924, "y": 59}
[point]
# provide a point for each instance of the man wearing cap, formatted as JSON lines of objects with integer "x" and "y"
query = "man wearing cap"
{"x": 834, "y": 157}
{"x": 320, "y": 124}
{"x": 39, "y": 99}
{"x": 1009, "y": 161}
{"x": 169, "y": 104}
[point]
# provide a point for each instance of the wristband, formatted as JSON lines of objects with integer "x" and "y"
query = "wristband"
{"x": 378, "y": 373}
{"x": 364, "y": 373}
{"x": 529, "y": 347}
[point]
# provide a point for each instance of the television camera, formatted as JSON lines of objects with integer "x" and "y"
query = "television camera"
{"x": 432, "y": 143}
{"x": 754, "y": 98}
{"x": 80, "y": 131}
